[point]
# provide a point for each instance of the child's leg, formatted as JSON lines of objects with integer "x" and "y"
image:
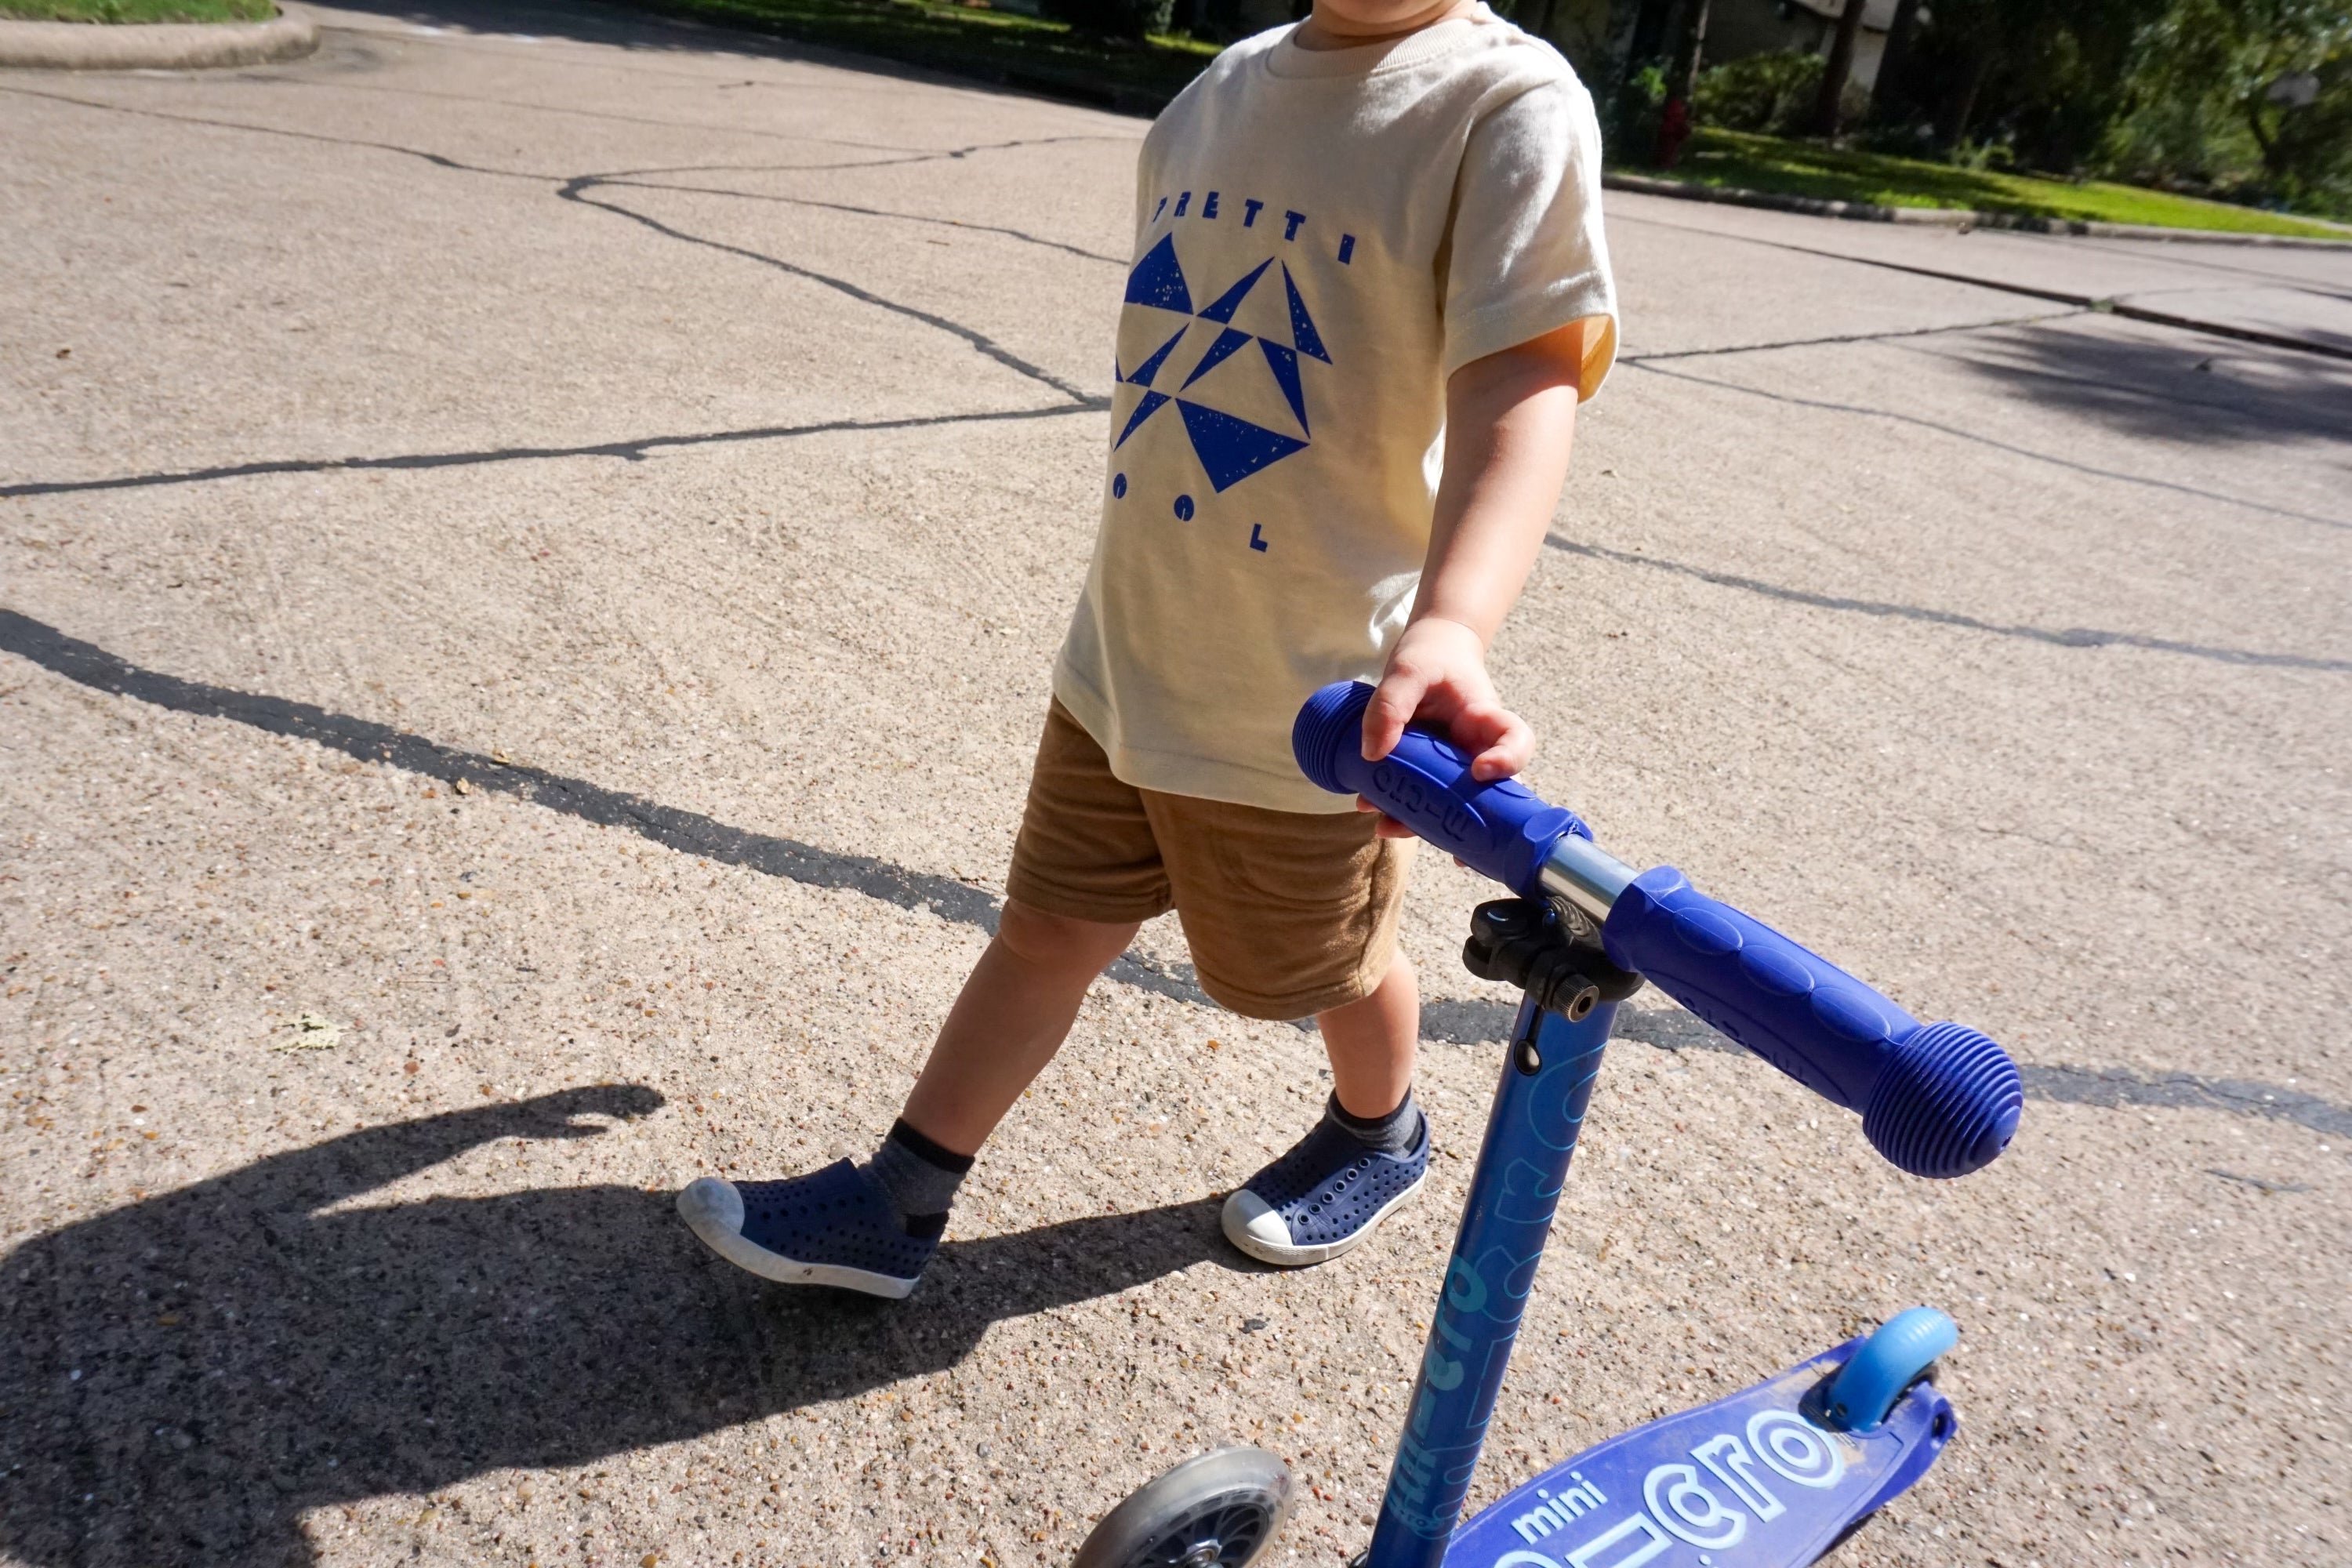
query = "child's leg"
{"x": 1009, "y": 1020}
{"x": 1087, "y": 846}
{"x": 1368, "y": 1153}
{"x": 872, "y": 1227}
{"x": 1372, "y": 1044}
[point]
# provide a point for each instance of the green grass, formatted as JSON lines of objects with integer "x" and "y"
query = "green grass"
{"x": 1001, "y": 47}
{"x": 138, "y": 10}
{"x": 1737, "y": 159}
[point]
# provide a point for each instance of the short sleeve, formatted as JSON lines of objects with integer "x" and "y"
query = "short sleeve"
{"x": 1526, "y": 255}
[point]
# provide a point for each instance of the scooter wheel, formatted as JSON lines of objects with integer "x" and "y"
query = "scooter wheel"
{"x": 1886, "y": 1365}
{"x": 1218, "y": 1511}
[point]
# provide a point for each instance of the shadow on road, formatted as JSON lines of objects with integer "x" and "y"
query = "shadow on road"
{"x": 2171, "y": 389}
{"x": 186, "y": 1375}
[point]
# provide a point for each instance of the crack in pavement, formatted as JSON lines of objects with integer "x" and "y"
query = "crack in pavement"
{"x": 1848, "y": 338}
{"x": 2118, "y": 305}
{"x": 634, "y": 450}
{"x": 573, "y": 190}
{"x": 2075, "y": 637}
{"x": 632, "y": 182}
{"x": 341, "y": 85}
{"x": 689, "y": 833}
{"x": 1793, "y": 400}
{"x": 442, "y": 161}
{"x": 437, "y": 160}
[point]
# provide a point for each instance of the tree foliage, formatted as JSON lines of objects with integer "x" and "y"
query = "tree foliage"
{"x": 1770, "y": 92}
{"x": 2245, "y": 98}
{"x": 2251, "y": 94}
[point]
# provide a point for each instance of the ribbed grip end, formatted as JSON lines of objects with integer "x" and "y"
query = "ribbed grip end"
{"x": 1946, "y": 1102}
{"x": 1332, "y": 718}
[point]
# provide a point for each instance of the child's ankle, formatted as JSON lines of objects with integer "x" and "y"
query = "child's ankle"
{"x": 918, "y": 1177}
{"x": 1394, "y": 1133}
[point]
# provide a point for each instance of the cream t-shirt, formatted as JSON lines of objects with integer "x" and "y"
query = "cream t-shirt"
{"x": 1322, "y": 236}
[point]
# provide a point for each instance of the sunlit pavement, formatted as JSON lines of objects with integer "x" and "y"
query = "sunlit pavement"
{"x": 535, "y": 544}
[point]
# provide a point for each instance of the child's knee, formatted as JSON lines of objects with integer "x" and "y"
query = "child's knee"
{"x": 1050, "y": 940}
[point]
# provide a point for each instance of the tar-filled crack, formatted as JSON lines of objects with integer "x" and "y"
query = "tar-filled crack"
{"x": 2070, "y": 637}
{"x": 635, "y": 448}
{"x": 577, "y": 190}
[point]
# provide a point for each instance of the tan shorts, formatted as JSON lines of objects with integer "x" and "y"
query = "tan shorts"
{"x": 1287, "y": 913}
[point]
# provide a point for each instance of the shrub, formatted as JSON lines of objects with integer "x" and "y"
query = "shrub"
{"x": 1113, "y": 18}
{"x": 1772, "y": 93}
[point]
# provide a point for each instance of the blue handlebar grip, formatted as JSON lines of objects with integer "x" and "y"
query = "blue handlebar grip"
{"x": 1937, "y": 1099}
{"x": 1501, "y": 830}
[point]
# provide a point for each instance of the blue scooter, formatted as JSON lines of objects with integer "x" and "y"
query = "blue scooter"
{"x": 1772, "y": 1477}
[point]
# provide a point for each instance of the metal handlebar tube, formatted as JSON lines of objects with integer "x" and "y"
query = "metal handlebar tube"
{"x": 1538, "y": 1109}
{"x": 1584, "y": 875}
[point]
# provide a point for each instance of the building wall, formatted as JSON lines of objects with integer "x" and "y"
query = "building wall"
{"x": 1739, "y": 28}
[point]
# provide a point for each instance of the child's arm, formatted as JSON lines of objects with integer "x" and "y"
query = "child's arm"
{"x": 1509, "y": 420}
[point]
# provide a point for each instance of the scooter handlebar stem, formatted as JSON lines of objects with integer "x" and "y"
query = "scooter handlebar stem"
{"x": 1937, "y": 1099}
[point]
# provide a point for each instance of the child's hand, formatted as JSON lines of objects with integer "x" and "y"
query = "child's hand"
{"x": 1437, "y": 676}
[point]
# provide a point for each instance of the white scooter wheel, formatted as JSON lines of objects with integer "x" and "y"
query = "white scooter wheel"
{"x": 1218, "y": 1511}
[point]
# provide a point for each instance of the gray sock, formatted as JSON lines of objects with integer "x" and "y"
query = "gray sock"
{"x": 1394, "y": 1133}
{"x": 918, "y": 1176}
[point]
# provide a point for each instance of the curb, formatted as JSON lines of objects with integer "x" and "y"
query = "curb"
{"x": 155, "y": 45}
{"x": 1954, "y": 217}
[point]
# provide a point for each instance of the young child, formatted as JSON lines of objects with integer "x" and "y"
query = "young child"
{"x": 1372, "y": 291}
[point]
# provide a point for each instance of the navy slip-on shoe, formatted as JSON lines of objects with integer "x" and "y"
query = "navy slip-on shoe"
{"x": 832, "y": 1226}
{"x": 1322, "y": 1197}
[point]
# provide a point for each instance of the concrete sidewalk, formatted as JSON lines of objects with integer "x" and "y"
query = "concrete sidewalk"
{"x": 693, "y": 446}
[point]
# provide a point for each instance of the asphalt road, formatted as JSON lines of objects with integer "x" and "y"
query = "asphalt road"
{"x": 537, "y": 544}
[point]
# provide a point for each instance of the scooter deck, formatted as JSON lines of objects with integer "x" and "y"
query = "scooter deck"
{"x": 1751, "y": 1481}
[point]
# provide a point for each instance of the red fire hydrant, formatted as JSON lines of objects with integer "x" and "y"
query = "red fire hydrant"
{"x": 1674, "y": 130}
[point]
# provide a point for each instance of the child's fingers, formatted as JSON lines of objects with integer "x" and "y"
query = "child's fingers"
{"x": 1506, "y": 744}
{"x": 1394, "y": 702}
{"x": 1387, "y": 826}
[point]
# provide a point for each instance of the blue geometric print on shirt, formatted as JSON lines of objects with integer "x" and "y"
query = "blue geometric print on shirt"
{"x": 1150, "y": 367}
{"x": 1230, "y": 299}
{"x": 1158, "y": 280}
{"x": 1283, "y": 363}
{"x": 1233, "y": 449}
{"x": 1219, "y": 351}
{"x": 1302, "y": 325}
{"x": 1230, "y": 448}
{"x": 1143, "y": 411}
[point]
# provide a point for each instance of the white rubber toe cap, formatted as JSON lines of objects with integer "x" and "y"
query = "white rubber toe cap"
{"x": 1254, "y": 1226}
{"x": 1251, "y": 1224}
{"x": 713, "y": 1208}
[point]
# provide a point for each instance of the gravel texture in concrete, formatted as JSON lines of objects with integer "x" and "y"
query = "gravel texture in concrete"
{"x": 533, "y": 547}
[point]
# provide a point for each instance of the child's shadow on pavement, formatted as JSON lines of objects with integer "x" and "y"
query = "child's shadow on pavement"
{"x": 184, "y": 1375}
